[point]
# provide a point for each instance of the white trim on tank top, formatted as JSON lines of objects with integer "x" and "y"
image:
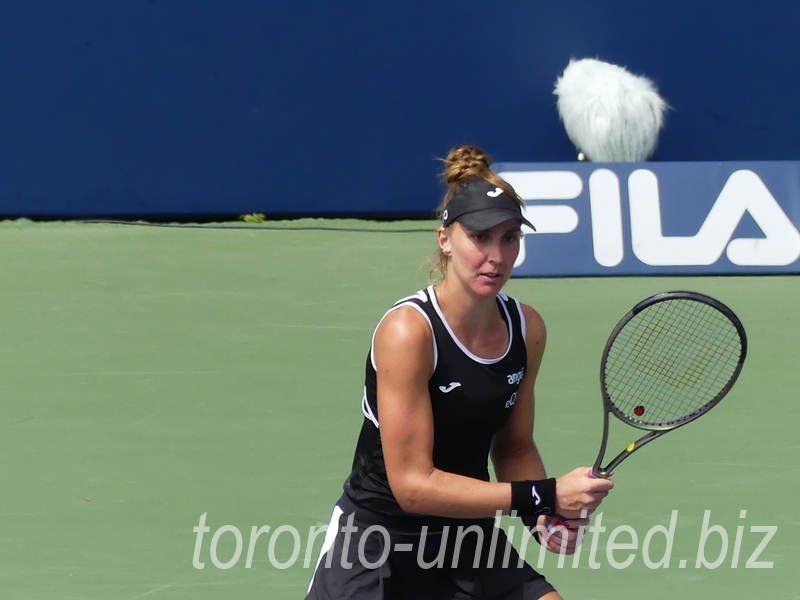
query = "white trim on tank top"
{"x": 476, "y": 358}
{"x": 419, "y": 309}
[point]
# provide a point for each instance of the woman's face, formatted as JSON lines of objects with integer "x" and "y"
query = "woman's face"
{"x": 481, "y": 260}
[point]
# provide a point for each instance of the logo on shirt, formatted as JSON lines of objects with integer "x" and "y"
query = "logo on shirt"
{"x": 515, "y": 378}
{"x": 446, "y": 390}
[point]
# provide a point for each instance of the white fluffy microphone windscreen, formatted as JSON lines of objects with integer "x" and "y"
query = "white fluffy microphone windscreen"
{"x": 610, "y": 114}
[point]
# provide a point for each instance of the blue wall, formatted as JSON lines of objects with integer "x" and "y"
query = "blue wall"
{"x": 146, "y": 107}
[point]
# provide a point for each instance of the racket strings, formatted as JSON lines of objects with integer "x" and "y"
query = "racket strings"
{"x": 679, "y": 358}
{"x": 671, "y": 360}
{"x": 677, "y": 371}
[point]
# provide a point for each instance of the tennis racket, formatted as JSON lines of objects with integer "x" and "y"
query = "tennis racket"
{"x": 669, "y": 361}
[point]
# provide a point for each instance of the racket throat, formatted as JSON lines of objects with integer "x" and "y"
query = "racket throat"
{"x": 606, "y": 471}
{"x": 597, "y": 471}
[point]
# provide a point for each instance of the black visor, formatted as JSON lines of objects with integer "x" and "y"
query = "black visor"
{"x": 481, "y": 205}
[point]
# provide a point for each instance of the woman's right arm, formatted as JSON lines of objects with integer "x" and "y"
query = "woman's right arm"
{"x": 403, "y": 354}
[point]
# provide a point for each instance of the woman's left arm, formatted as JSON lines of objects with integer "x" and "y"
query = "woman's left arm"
{"x": 514, "y": 453}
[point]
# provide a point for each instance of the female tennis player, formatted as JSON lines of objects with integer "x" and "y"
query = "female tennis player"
{"x": 449, "y": 384}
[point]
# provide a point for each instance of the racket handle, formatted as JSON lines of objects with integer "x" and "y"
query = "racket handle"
{"x": 592, "y": 474}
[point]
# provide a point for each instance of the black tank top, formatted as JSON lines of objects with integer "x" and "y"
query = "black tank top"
{"x": 471, "y": 399}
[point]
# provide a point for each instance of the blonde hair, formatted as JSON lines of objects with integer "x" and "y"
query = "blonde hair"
{"x": 461, "y": 165}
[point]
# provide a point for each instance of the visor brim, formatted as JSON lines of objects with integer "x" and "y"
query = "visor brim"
{"x": 482, "y": 220}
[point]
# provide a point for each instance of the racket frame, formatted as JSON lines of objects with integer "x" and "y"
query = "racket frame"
{"x": 656, "y": 431}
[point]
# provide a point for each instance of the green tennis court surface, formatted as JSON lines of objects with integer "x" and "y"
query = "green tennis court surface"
{"x": 154, "y": 375}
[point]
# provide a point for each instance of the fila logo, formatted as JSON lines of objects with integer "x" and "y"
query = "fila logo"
{"x": 743, "y": 194}
{"x": 495, "y": 193}
{"x": 449, "y": 388}
{"x": 536, "y": 498}
{"x": 516, "y": 377}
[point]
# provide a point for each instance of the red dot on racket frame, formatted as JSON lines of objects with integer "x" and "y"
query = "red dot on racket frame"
{"x": 638, "y": 411}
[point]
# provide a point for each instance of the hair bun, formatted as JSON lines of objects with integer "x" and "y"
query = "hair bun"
{"x": 465, "y": 162}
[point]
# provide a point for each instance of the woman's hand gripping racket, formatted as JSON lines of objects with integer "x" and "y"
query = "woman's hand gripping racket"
{"x": 670, "y": 360}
